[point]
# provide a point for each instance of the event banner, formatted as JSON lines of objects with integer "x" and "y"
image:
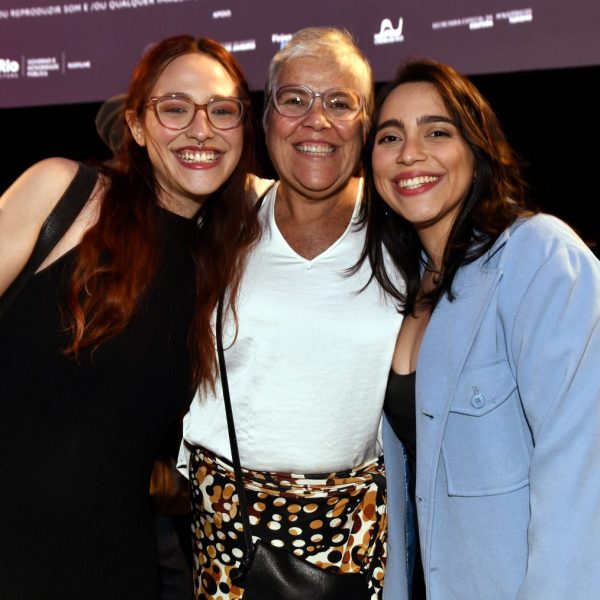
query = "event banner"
{"x": 83, "y": 51}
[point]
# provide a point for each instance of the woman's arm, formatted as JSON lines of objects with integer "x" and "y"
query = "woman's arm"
{"x": 555, "y": 348}
{"x": 25, "y": 206}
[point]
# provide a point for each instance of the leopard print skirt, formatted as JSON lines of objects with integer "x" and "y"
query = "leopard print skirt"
{"x": 336, "y": 521}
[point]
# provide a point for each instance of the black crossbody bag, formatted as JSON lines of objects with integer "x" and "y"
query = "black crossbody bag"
{"x": 274, "y": 573}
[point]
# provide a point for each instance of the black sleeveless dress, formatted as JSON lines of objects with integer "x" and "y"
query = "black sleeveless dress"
{"x": 78, "y": 438}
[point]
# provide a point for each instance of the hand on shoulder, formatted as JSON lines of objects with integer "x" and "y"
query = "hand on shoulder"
{"x": 257, "y": 186}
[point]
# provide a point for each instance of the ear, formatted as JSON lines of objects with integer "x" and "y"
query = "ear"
{"x": 136, "y": 128}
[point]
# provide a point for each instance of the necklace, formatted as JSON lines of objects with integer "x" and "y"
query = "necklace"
{"x": 432, "y": 270}
{"x": 435, "y": 274}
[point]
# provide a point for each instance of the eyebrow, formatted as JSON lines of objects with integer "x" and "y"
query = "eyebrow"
{"x": 424, "y": 120}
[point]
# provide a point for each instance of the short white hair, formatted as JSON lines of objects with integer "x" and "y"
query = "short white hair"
{"x": 329, "y": 43}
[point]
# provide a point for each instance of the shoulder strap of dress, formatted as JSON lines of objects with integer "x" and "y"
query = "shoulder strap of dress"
{"x": 64, "y": 213}
{"x": 55, "y": 226}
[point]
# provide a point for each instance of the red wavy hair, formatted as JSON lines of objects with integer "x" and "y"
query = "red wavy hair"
{"x": 117, "y": 256}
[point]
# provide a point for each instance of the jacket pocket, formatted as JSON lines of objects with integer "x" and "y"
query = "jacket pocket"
{"x": 487, "y": 445}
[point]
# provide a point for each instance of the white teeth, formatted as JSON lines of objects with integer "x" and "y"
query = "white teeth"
{"x": 414, "y": 182}
{"x": 318, "y": 149}
{"x": 204, "y": 156}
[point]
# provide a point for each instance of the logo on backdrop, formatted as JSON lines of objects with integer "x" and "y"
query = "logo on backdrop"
{"x": 281, "y": 39}
{"x": 387, "y": 34}
{"x": 240, "y": 46}
{"x": 43, "y": 66}
{"x": 9, "y": 68}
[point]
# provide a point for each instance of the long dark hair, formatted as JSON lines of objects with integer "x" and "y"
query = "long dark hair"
{"x": 496, "y": 199}
{"x": 113, "y": 270}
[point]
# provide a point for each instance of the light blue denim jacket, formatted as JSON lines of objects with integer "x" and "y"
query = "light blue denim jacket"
{"x": 508, "y": 428}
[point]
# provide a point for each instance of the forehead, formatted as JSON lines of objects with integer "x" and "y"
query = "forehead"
{"x": 317, "y": 73}
{"x": 198, "y": 75}
{"x": 413, "y": 100}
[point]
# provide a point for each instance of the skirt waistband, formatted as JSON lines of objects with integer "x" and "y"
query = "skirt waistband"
{"x": 307, "y": 485}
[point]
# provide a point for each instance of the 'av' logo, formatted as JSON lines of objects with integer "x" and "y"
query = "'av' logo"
{"x": 387, "y": 34}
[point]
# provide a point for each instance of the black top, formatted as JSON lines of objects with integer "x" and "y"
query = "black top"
{"x": 399, "y": 407}
{"x": 78, "y": 438}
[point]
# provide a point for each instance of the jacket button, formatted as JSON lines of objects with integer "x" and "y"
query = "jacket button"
{"x": 477, "y": 399}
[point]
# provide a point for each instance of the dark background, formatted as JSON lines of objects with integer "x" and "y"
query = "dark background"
{"x": 550, "y": 116}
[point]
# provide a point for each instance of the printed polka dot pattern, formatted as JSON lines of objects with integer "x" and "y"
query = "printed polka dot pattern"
{"x": 337, "y": 521}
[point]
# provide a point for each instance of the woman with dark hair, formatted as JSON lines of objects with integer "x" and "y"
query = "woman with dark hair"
{"x": 495, "y": 388}
{"x": 104, "y": 346}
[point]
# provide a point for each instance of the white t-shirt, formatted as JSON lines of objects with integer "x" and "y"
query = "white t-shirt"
{"x": 308, "y": 369}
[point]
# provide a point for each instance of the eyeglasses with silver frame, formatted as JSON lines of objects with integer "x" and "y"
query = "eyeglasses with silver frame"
{"x": 296, "y": 100}
{"x": 177, "y": 111}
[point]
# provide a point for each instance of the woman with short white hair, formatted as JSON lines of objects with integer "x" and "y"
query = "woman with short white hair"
{"x": 308, "y": 356}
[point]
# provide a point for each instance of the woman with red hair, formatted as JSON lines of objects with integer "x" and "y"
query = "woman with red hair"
{"x": 106, "y": 343}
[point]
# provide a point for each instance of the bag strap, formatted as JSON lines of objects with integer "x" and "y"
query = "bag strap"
{"x": 235, "y": 455}
{"x": 55, "y": 226}
{"x": 239, "y": 481}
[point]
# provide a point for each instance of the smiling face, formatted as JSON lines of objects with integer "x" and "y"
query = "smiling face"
{"x": 314, "y": 155}
{"x": 192, "y": 163}
{"x": 422, "y": 166}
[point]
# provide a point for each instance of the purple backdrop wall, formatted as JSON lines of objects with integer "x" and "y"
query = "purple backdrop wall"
{"x": 56, "y": 52}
